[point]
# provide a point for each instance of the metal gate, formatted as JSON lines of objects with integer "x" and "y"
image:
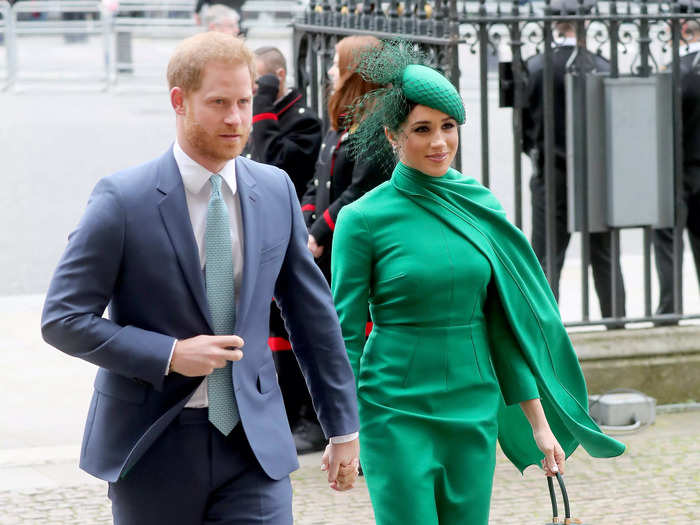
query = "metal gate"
{"x": 472, "y": 41}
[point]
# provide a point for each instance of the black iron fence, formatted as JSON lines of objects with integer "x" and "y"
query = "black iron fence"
{"x": 642, "y": 43}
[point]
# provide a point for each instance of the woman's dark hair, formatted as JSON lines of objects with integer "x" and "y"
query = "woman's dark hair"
{"x": 351, "y": 85}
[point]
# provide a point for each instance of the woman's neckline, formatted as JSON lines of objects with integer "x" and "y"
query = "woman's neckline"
{"x": 406, "y": 169}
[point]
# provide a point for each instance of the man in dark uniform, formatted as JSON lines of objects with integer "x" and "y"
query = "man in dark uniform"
{"x": 690, "y": 107}
{"x": 533, "y": 144}
{"x": 286, "y": 134}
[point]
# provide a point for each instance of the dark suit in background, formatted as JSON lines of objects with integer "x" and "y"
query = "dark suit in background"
{"x": 533, "y": 144}
{"x": 663, "y": 238}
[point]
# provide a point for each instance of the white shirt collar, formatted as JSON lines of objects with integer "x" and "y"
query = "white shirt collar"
{"x": 566, "y": 41}
{"x": 693, "y": 47}
{"x": 195, "y": 176}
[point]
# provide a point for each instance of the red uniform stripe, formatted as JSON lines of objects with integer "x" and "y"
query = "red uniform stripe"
{"x": 308, "y": 207}
{"x": 264, "y": 116}
{"x": 368, "y": 328}
{"x": 329, "y": 221}
{"x": 285, "y": 108}
{"x": 278, "y": 343}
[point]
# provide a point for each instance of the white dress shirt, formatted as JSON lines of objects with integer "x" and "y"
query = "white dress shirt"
{"x": 197, "y": 192}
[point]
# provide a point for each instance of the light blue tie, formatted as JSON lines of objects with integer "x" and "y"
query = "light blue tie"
{"x": 223, "y": 412}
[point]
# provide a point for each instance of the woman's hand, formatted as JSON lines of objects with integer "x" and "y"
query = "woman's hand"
{"x": 314, "y": 248}
{"x": 554, "y": 456}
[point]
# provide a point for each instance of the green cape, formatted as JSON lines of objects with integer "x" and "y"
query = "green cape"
{"x": 527, "y": 317}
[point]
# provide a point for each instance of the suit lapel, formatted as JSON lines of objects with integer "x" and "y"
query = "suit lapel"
{"x": 250, "y": 213}
{"x": 175, "y": 215}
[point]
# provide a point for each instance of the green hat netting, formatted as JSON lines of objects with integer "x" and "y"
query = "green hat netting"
{"x": 400, "y": 67}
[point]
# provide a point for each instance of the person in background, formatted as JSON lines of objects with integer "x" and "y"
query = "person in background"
{"x": 222, "y": 18}
{"x": 287, "y": 134}
{"x": 202, "y": 5}
{"x": 533, "y": 145}
{"x": 690, "y": 108}
{"x": 338, "y": 179}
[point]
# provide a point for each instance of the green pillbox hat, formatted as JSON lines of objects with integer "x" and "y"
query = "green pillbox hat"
{"x": 424, "y": 85}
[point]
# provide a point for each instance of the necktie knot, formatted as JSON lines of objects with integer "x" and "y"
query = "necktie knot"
{"x": 216, "y": 181}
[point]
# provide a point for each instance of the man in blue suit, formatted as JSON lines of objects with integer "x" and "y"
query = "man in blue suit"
{"x": 187, "y": 423}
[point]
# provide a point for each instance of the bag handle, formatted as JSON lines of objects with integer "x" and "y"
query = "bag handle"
{"x": 565, "y": 497}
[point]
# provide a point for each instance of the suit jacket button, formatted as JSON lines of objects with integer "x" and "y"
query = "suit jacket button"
{"x": 316, "y": 182}
{"x": 328, "y": 185}
{"x": 313, "y": 216}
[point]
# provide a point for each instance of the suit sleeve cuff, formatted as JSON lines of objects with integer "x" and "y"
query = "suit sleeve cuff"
{"x": 336, "y": 440}
{"x": 172, "y": 351}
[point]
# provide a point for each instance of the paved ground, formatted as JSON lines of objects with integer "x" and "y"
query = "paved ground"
{"x": 656, "y": 482}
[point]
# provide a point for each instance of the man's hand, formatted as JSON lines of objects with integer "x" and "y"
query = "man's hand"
{"x": 314, "y": 248}
{"x": 200, "y": 355}
{"x": 341, "y": 461}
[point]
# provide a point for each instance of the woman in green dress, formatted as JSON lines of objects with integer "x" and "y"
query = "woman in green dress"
{"x": 467, "y": 346}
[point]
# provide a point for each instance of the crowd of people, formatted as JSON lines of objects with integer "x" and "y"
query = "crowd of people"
{"x": 404, "y": 311}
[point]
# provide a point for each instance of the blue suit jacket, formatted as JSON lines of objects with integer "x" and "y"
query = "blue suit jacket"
{"x": 135, "y": 251}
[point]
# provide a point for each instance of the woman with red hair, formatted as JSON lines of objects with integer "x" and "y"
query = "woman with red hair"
{"x": 338, "y": 179}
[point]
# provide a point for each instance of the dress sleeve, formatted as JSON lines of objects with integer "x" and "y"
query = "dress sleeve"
{"x": 351, "y": 270}
{"x": 515, "y": 378}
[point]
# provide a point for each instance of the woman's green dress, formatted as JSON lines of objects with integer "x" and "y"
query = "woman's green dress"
{"x": 446, "y": 350}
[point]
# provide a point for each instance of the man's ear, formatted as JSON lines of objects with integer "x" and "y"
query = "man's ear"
{"x": 177, "y": 100}
{"x": 282, "y": 75}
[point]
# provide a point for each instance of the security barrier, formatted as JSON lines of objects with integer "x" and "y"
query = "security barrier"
{"x": 75, "y": 37}
{"x": 136, "y": 26}
{"x": 6, "y": 43}
{"x": 90, "y": 44}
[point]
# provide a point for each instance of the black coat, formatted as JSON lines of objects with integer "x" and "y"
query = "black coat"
{"x": 338, "y": 180}
{"x": 533, "y": 112}
{"x": 690, "y": 95}
{"x": 286, "y": 134}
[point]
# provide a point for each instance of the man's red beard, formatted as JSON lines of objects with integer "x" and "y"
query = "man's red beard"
{"x": 210, "y": 144}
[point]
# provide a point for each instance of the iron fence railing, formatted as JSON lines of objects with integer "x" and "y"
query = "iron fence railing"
{"x": 464, "y": 39}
